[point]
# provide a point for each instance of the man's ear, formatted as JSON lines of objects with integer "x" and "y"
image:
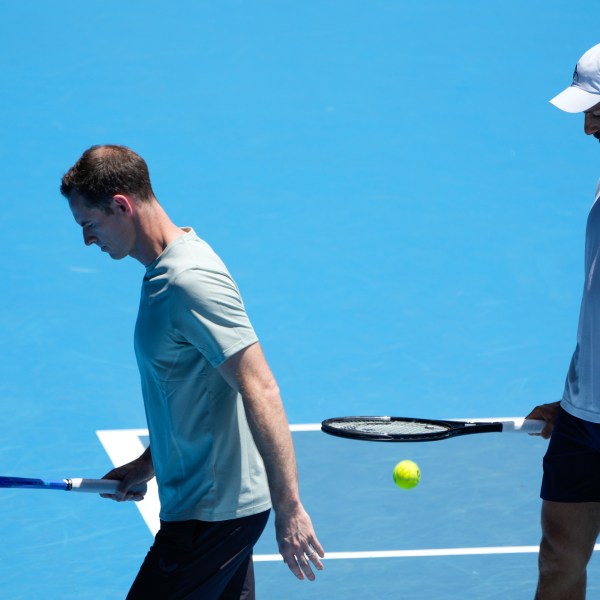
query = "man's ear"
{"x": 122, "y": 204}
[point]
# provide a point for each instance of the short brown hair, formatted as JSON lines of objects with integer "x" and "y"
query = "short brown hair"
{"x": 103, "y": 171}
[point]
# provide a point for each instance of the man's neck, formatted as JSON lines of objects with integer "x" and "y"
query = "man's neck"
{"x": 155, "y": 231}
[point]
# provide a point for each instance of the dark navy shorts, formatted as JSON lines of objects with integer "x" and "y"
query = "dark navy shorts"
{"x": 200, "y": 560}
{"x": 572, "y": 461}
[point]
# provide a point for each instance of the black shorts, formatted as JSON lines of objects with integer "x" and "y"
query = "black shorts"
{"x": 572, "y": 461}
{"x": 193, "y": 560}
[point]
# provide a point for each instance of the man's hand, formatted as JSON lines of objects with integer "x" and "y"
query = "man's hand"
{"x": 298, "y": 543}
{"x": 132, "y": 477}
{"x": 547, "y": 413}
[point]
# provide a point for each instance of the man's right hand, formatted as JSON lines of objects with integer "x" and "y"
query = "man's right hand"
{"x": 547, "y": 413}
{"x": 132, "y": 477}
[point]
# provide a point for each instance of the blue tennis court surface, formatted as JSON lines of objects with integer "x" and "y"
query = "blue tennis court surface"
{"x": 404, "y": 213}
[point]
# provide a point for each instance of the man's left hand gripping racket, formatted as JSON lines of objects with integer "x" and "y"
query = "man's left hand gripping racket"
{"x": 403, "y": 429}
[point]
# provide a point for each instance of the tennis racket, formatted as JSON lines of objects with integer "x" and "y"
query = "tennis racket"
{"x": 403, "y": 429}
{"x": 94, "y": 486}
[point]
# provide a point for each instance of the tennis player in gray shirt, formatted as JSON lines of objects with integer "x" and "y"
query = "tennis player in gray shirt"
{"x": 220, "y": 445}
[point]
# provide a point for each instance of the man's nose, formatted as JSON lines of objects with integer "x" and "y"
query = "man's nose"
{"x": 591, "y": 124}
{"x": 88, "y": 238}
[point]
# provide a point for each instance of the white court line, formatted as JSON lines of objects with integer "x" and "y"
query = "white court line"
{"x": 418, "y": 553}
{"x": 306, "y": 427}
{"x": 124, "y": 445}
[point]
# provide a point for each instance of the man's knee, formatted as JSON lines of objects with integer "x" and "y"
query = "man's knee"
{"x": 562, "y": 556}
{"x": 569, "y": 532}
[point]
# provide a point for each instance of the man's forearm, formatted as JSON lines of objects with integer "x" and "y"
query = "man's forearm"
{"x": 271, "y": 432}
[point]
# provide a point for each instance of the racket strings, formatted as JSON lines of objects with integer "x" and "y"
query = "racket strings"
{"x": 391, "y": 427}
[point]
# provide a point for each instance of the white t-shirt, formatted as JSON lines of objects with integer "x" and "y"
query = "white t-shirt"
{"x": 581, "y": 397}
{"x": 191, "y": 319}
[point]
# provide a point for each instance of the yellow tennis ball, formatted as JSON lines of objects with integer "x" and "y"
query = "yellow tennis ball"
{"x": 407, "y": 474}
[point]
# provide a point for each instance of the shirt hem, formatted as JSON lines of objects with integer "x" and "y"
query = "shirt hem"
{"x": 204, "y": 515}
{"x": 580, "y": 413}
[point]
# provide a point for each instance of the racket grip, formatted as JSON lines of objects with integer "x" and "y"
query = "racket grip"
{"x": 523, "y": 425}
{"x": 100, "y": 486}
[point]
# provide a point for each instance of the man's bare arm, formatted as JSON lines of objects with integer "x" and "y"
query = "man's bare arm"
{"x": 248, "y": 372}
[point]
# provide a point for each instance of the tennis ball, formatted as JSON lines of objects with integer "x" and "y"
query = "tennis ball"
{"x": 407, "y": 474}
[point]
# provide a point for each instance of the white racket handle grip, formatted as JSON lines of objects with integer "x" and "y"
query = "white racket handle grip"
{"x": 523, "y": 426}
{"x": 99, "y": 486}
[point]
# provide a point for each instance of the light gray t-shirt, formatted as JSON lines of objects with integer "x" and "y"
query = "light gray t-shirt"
{"x": 191, "y": 319}
{"x": 581, "y": 397}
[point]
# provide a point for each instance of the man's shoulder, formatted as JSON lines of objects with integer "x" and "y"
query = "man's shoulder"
{"x": 189, "y": 252}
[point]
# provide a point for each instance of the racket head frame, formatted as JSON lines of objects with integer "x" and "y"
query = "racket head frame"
{"x": 365, "y": 428}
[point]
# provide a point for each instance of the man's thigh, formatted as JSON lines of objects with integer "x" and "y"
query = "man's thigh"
{"x": 198, "y": 559}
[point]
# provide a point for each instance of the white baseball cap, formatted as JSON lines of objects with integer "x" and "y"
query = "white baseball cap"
{"x": 584, "y": 92}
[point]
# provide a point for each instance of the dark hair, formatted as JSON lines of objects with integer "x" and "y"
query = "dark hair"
{"x": 103, "y": 171}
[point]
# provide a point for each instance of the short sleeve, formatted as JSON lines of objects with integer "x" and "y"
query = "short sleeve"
{"x": 210, "y": 314}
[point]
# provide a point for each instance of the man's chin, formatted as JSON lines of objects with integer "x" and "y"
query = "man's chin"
{"x": 115, "y": 256}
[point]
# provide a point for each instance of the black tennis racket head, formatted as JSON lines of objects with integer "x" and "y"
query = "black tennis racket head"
{"x": 402, "y": 429}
